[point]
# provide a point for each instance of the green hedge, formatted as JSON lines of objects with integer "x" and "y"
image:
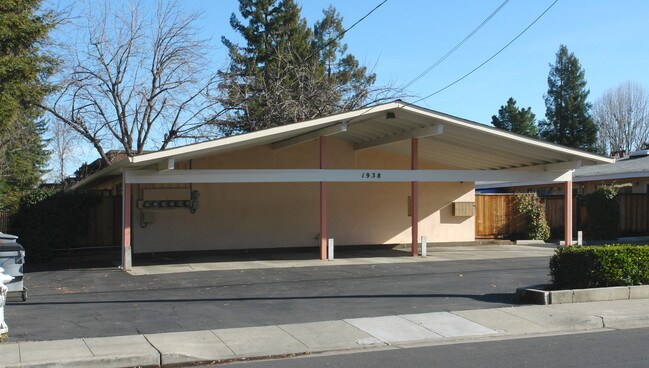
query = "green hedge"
{"x": 581, "y": 267}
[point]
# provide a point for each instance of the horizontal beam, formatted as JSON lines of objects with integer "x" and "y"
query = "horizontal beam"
{"x": 416, "y": 133}
{"x": 317, "y": 175}
{"x": 324, "y": 132}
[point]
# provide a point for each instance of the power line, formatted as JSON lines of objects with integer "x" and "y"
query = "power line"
{"x": 342, "y": 33}
{"x": 440, "y": 60}
{"x": 490, "y": 58}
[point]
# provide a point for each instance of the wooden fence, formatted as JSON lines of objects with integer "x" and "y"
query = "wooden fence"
{"x": 105, "y": 223}
{"x": 496, "y": 215}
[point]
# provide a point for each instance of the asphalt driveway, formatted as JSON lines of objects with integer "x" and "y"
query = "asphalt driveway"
{"x": 105, "y": 301}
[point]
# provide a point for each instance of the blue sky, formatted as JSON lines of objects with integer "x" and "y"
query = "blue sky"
{"x": 404, "y": 37}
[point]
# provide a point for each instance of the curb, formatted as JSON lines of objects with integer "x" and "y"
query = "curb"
{"x": 536, "y": 294}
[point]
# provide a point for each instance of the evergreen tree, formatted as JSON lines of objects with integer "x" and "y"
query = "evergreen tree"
{"x": 24, "y": 68}
{"x": 24, "y": 158}
{"x": 569, "y": 122}
{"x": 511, "y": 118}
{"x": 287, "y": 71}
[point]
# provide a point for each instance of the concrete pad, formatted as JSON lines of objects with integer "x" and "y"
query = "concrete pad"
{"x": 561, "y": 296}
{"x": 557, "y": 320}
{"x": 393, "y": 329}
{"x": 600, "y": 294}
{"x": 622, "y": 322}
{"x": 122, "y": 351}
{"x": 329, "y": 335}
{"x": 448, "y": 325}
{"x": 260, "y": 341}
{"x": 501, "y": 321}
{"x": 615, "y": 314}
{"x": 10, "y": 353}
{"x": 528, "y": 242}
{"x": 186, "y": 347}
{"x": 639, "y": 292}
{"x": 160, "y": 269}
{"x": 599, "y": 308}
{"x": 54, "y": 351}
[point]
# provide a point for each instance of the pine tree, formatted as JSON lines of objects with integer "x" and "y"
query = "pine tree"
{"x": 287, "y": 71}
{"x": 511, "y": 118}
{"x": 24, "y": 68}
{"x": 569, "y": 122}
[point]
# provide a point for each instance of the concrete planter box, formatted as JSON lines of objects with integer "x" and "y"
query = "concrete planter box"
{"x": 536, "y": 295}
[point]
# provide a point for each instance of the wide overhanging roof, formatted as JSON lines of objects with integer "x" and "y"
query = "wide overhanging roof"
{"x": 444, "y": 139}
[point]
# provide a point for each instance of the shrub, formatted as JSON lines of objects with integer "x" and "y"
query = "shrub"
{"x": 582, "y": 267}
{"x": 530, "y": 206}
{"x": 603, "y": 213}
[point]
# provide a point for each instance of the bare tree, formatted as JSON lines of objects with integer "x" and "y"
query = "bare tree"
{"x": 138, "y": 81}
{"x": 622, "y": 114}
{"x": 63, "y": 146}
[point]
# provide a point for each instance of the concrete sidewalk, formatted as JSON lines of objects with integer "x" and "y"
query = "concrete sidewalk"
{"x": 435, "y": 253}
{"x": 398, "y": 331}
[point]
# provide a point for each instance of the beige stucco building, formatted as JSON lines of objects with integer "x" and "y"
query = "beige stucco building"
{"x": 389, "y": 174}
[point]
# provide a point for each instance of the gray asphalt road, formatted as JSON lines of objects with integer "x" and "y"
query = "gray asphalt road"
{"x": 107, "y": 302}
{"x": 619, "y": 349}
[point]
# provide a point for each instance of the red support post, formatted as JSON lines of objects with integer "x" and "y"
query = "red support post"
{"x": 323, "y": 201}
{"x": 414, "y": 158}
{"x": 567, "y": 213}
{"x": 126, "y": 227}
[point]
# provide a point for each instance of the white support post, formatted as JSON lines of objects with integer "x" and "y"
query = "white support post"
{"x": 330, "y": 249}
{"x": 424, "y": 247}
{"x": 580, "y": 239}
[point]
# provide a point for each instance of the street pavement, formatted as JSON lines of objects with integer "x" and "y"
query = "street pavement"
{"x": 100, "y": 302}
{"x": 605, "y": 349}
{"x": 349, "y": 335}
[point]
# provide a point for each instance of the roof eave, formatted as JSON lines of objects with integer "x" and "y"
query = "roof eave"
{"x": 102, "y": 173}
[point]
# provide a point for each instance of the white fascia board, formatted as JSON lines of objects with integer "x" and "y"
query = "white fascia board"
{"x": 317, "y": 175}
{"x": 507, "y": 135}
{"x": 416, "y": 133}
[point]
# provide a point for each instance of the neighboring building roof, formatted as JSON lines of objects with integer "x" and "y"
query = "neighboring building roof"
{"x": 624, "y": 168}
{"x": 462, "y": 144}
{"x": 628, "y": 167}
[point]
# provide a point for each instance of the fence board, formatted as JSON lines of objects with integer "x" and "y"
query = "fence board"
{"x": 4, "y": 221}
{"x": 496, "y": 216}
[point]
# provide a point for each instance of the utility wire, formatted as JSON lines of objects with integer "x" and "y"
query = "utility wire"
{"x": 440, "y": 60}
{"x": 342, "y": 33}
{"x": 490, "y": 58}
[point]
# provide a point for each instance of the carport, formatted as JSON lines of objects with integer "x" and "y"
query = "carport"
{"x": 391, "y": 157}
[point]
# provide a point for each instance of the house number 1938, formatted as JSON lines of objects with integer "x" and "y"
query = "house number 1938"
{"x": 371, "y": 175}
